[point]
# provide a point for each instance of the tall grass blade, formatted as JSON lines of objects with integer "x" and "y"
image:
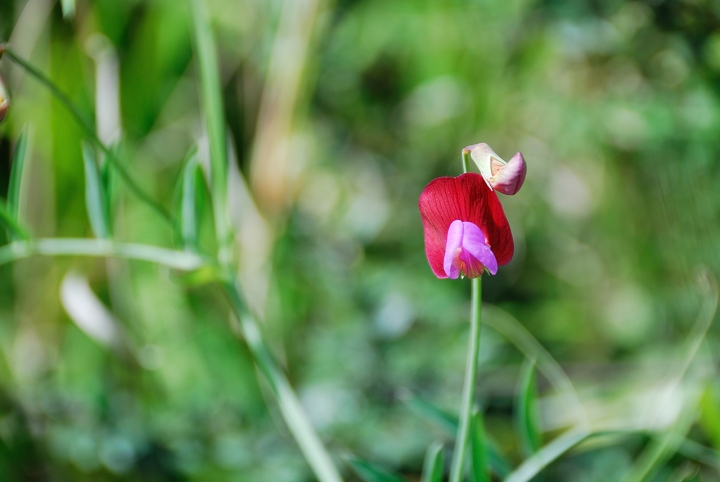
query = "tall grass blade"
{"x": 370, "y": 472}
{"x": 15, "y": 231}
{"x": 96, "y": 201}
{"x": 478, "y": 449}
{"x": 16, "y": 174}
{"x": 434, "y": 465}
{"x": 206, "y": 53}
{"x": 68, "y": 8}
{"x": 526, "y": 410}
{"x": 189, "y": 202}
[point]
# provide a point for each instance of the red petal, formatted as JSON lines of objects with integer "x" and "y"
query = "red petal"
{"x": 468, "y": 199}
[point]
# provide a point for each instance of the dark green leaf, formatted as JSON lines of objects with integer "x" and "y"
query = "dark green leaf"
{"x": 95, "y": 199}
{"x": 478, "y": 448}
{"x": 16, "y": 174}
{"x": 527, "y": 414}
{"x": 434, "y": 466}
{"x": 370, "y": 472}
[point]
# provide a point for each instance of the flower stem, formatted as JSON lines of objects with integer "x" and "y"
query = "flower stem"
{"x": 89, "y": 130}
{"x": 468, "y": 397}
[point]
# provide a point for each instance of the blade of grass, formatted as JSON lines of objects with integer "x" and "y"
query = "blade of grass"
{"x": 478, "y": 449}
{"x": 434, "y": 465}
{"x": 89, "y": 130}
{"x": 68, "y": 8}
{"x": 181, "y": 260}
{"x": 16, "y": 174}
{"x": 188, "y": 217}
{"x": 526, "y": 410}
{"x": 290, "y": 407}
{"x": 14, "y": 229}
{"x": 96, "y": 201}
{"x": 206, "y": 54}
{"x": 370, "y": 472}
{"x": 510, "y": 328}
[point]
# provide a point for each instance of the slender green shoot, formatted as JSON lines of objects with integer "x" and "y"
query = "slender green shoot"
{"x": 526, "y": 410}
{"x": 468, "y": 398}
{"x": 290, "y": 407}
{"x": 479, "y": 449}
{"x": 89, "y": 130}
{"x": 16, "y": 174}
{"x": 206, "y": 53}
{"x": 433, "y": 468}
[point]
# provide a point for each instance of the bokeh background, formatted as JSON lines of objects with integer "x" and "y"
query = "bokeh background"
{"x": 338, "y": 114}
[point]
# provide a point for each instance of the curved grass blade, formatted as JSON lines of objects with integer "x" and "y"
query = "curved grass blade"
{"x": 548, "y": 454}
{"x": 370, "y": 472}
{"x": 478, "y": 449}
{"x": 16, "y": 174}
{"x": 526, "y": 412}
{"x": 95, "y": 198}
{"x": 15, "y": 231}
{"x": 434, "y": 466}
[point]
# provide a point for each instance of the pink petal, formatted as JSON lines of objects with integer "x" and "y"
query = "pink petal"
{"x": 510, "y": 177}
{"x": 473, "y": 243}
{"x": 454, "y": 243}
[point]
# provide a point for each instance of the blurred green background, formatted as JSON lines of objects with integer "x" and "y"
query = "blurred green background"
{"x": 338, "y": 114}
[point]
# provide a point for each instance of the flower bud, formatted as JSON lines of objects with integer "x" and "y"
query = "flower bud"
{"x": 505, "y": 177}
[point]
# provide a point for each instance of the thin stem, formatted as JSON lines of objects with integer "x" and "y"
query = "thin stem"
{"x": 89, "y": 130}
{"x": 468, "y": 398}
{"x": 290, "y": 407}
{"x": 466, "y": 159}
{"x": 214, "y": 118}
{"x": 181, "y": 260}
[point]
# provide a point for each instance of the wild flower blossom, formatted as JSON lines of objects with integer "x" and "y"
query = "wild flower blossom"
{"x": 506, "y": 177}
{"x": 465, "y": 227}
{"x": 4, "y": 101}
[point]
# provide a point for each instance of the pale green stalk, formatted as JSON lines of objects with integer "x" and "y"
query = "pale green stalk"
{"x": 468, "y": 397}
{"x": 206, "y": 53}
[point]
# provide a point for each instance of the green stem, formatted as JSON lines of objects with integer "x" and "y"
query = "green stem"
{"x": 290, "y": 407}
{"x": 466, "y": 160}
{"x": 468, "y": 398}
{"x": 89, "y": 130}
{"x": 181, "y": 260}
{"x": 215, "y": 120}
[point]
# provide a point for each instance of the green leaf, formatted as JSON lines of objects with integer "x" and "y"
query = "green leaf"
{"x": 478, "y": 449}
{"x": 434, "y": 466}
{"x": 548, "y": 454}
{"x": 16, "y": 173}
{"x": 190, "y": 202}
{"x": 370, "y": 472}
{"x": 95, "y": 199}
{"x": 527, "y": 412}
{"x": 15, "y": 231}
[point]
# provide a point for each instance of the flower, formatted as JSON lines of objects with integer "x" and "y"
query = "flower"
{"x": 4, "y": 101}
{"x": 506, "y": 177}
{"x": 465, "y": 227}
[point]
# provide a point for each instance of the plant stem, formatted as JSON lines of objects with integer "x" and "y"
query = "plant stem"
{"x": 206, "y": 54}
{"x": 292, "y": 411}
{"x": 468, "y": 397}
{"x": 89, "y": 130}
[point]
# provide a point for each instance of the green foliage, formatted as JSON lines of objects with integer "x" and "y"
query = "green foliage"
{"x": 527, "y": 410}
{"x": 370, "y": 472}
{"x": 96, "y": 199}
{"x": 434, "y": 465}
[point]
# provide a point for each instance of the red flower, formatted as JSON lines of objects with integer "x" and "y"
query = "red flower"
{"x": 466, "y": 230}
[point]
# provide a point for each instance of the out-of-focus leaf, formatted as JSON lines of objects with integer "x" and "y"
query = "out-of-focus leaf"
{"x": 434, "y": 465}
{"x": 478, "y": 448}
{"x": 526, "y": 410}
{"x": 370, "y": 472}
{"x": 190, "y": 202}
{"x": 548, "y": 454}
{"x": 14, "y": 229}
{"x": 710, "y": 415}
{"x": 95, "y": 199}
{"x": 16, "y": 174}
{"x": 68, "y": 8}
{"x": 449, "y": 423}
